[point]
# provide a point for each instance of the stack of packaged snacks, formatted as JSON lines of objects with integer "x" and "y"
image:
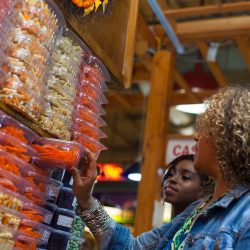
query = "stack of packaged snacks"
{"x": 27, "y": 192}
{"x": 28, "y": 29}
{"x": 61, "y": 83}
{"x": 88, "y": 103}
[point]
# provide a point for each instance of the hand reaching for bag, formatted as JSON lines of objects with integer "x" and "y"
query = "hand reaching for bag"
{"x": 84, "y": 180}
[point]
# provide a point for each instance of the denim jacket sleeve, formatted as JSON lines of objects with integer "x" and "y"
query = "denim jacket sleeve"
{"x": 244, "y": 240}
{"x": 119, "y": 237}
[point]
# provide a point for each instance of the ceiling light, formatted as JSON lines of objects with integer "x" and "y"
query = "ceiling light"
{"x": 192, "y": 108}
{"x": 134, "y": 176}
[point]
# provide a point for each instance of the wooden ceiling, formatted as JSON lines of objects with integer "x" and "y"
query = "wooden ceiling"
{"x": 196, "y": 23}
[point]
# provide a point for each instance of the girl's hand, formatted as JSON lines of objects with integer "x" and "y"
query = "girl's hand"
{"x": 84, "y": 180}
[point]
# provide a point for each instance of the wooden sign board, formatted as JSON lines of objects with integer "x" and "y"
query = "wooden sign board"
{"x": 111, "y": 36}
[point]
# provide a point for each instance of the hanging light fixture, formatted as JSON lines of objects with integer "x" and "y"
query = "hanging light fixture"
{"x": 192, "y": 108}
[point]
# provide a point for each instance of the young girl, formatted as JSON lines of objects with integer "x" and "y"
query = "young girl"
{"x": 221, "y": 221}
{"x": 182, "y": 184}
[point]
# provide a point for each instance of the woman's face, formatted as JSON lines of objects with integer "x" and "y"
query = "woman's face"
{"x": 205, "y": 159}
{"x": 182, "y": 185}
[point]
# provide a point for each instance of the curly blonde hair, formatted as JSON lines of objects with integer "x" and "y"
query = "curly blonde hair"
{"x": 227, "y": 121}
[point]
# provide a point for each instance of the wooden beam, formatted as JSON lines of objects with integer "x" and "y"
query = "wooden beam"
{"x": 154, "y": 139}
{"x": 244, "y": 46}
{"x": 136, "y": 100}
{"x": 130, "y": 43}
{"x": 208, "y": 10}
{"x": 144, "y": 33}
{"x": 184, "y": 85}
{"x": 140, "y": 73}
{"x": 215, "y": 28}
{"x": 216, "y": 71}
{"x": 181, "y": 98}
{"x": 121, "y": 100}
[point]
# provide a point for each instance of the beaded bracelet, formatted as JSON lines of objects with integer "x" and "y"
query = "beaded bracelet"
{"x": 96, "y": 219}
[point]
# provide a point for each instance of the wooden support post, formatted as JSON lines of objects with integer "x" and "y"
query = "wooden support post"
{"x": 130, "y": 43}
{"x": 155, "y": 138}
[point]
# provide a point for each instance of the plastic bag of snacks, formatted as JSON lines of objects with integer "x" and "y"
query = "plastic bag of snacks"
{"x": 34, "y": 25}
{"x": 61, "y": 83}
{"x": 16, "y": 147}
{"x": 59, "y": 153}
{"x": 16, "y": 129}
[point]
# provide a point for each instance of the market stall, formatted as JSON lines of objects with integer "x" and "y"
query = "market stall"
{"x": 53, "y": 87}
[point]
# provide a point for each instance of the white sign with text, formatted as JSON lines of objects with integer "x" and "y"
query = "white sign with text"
{"x": 178, "y": 147}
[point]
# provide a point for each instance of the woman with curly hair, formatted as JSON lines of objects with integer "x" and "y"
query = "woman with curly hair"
{"x": 221, "y": 221}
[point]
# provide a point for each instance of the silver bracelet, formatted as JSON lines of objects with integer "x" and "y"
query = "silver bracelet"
{"x": 96, "y": 219}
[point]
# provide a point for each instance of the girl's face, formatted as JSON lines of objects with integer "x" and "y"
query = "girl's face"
{"x": 182, "y": 184}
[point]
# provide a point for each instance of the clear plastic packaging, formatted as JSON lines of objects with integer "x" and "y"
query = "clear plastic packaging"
{"x": 13, "y": 182}
{"x": 59, "y": 153}
{"x": 6, "y": 238}
{"x": 22, "y": 39}
{"x": 86, "y": 101}
{"x": 64, "y": 66}
{"x": 16, "y": 129}
{"x": 16, "y": 147}
{"x": 60, "y": 107}
{"x": 66, "y": 199}
{"x": 17, "y": 88}
{"x": 92, "y": 145}
{"x": 55, "y": 124}
{"x": 37, "y": 213}
{"x": 99, "y": 68}
{"x": 35, "y": 196}
{"x": 85, "y": 114}
{"x": 11, "y": 163}
{"x": 39, "y": 19}
{"x": 63, "y": 219}
{"x": 60, "y": 240}
{"x": 21, "y": 186}
{"x": 12, "y": 200}
{"x": 23, "y": 242}
{"x": 90, "y": 74}
{"x": 90, "y": 90}
{"x": 10, "y": 218}
{"x": 21, "y": 168}
{"x": 87, "y": 129}
{"x": 71, "y": 47}
{"x": 35, "y": 230}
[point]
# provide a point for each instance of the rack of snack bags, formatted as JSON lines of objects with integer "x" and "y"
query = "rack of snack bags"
{"x": 52, "y": 78}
